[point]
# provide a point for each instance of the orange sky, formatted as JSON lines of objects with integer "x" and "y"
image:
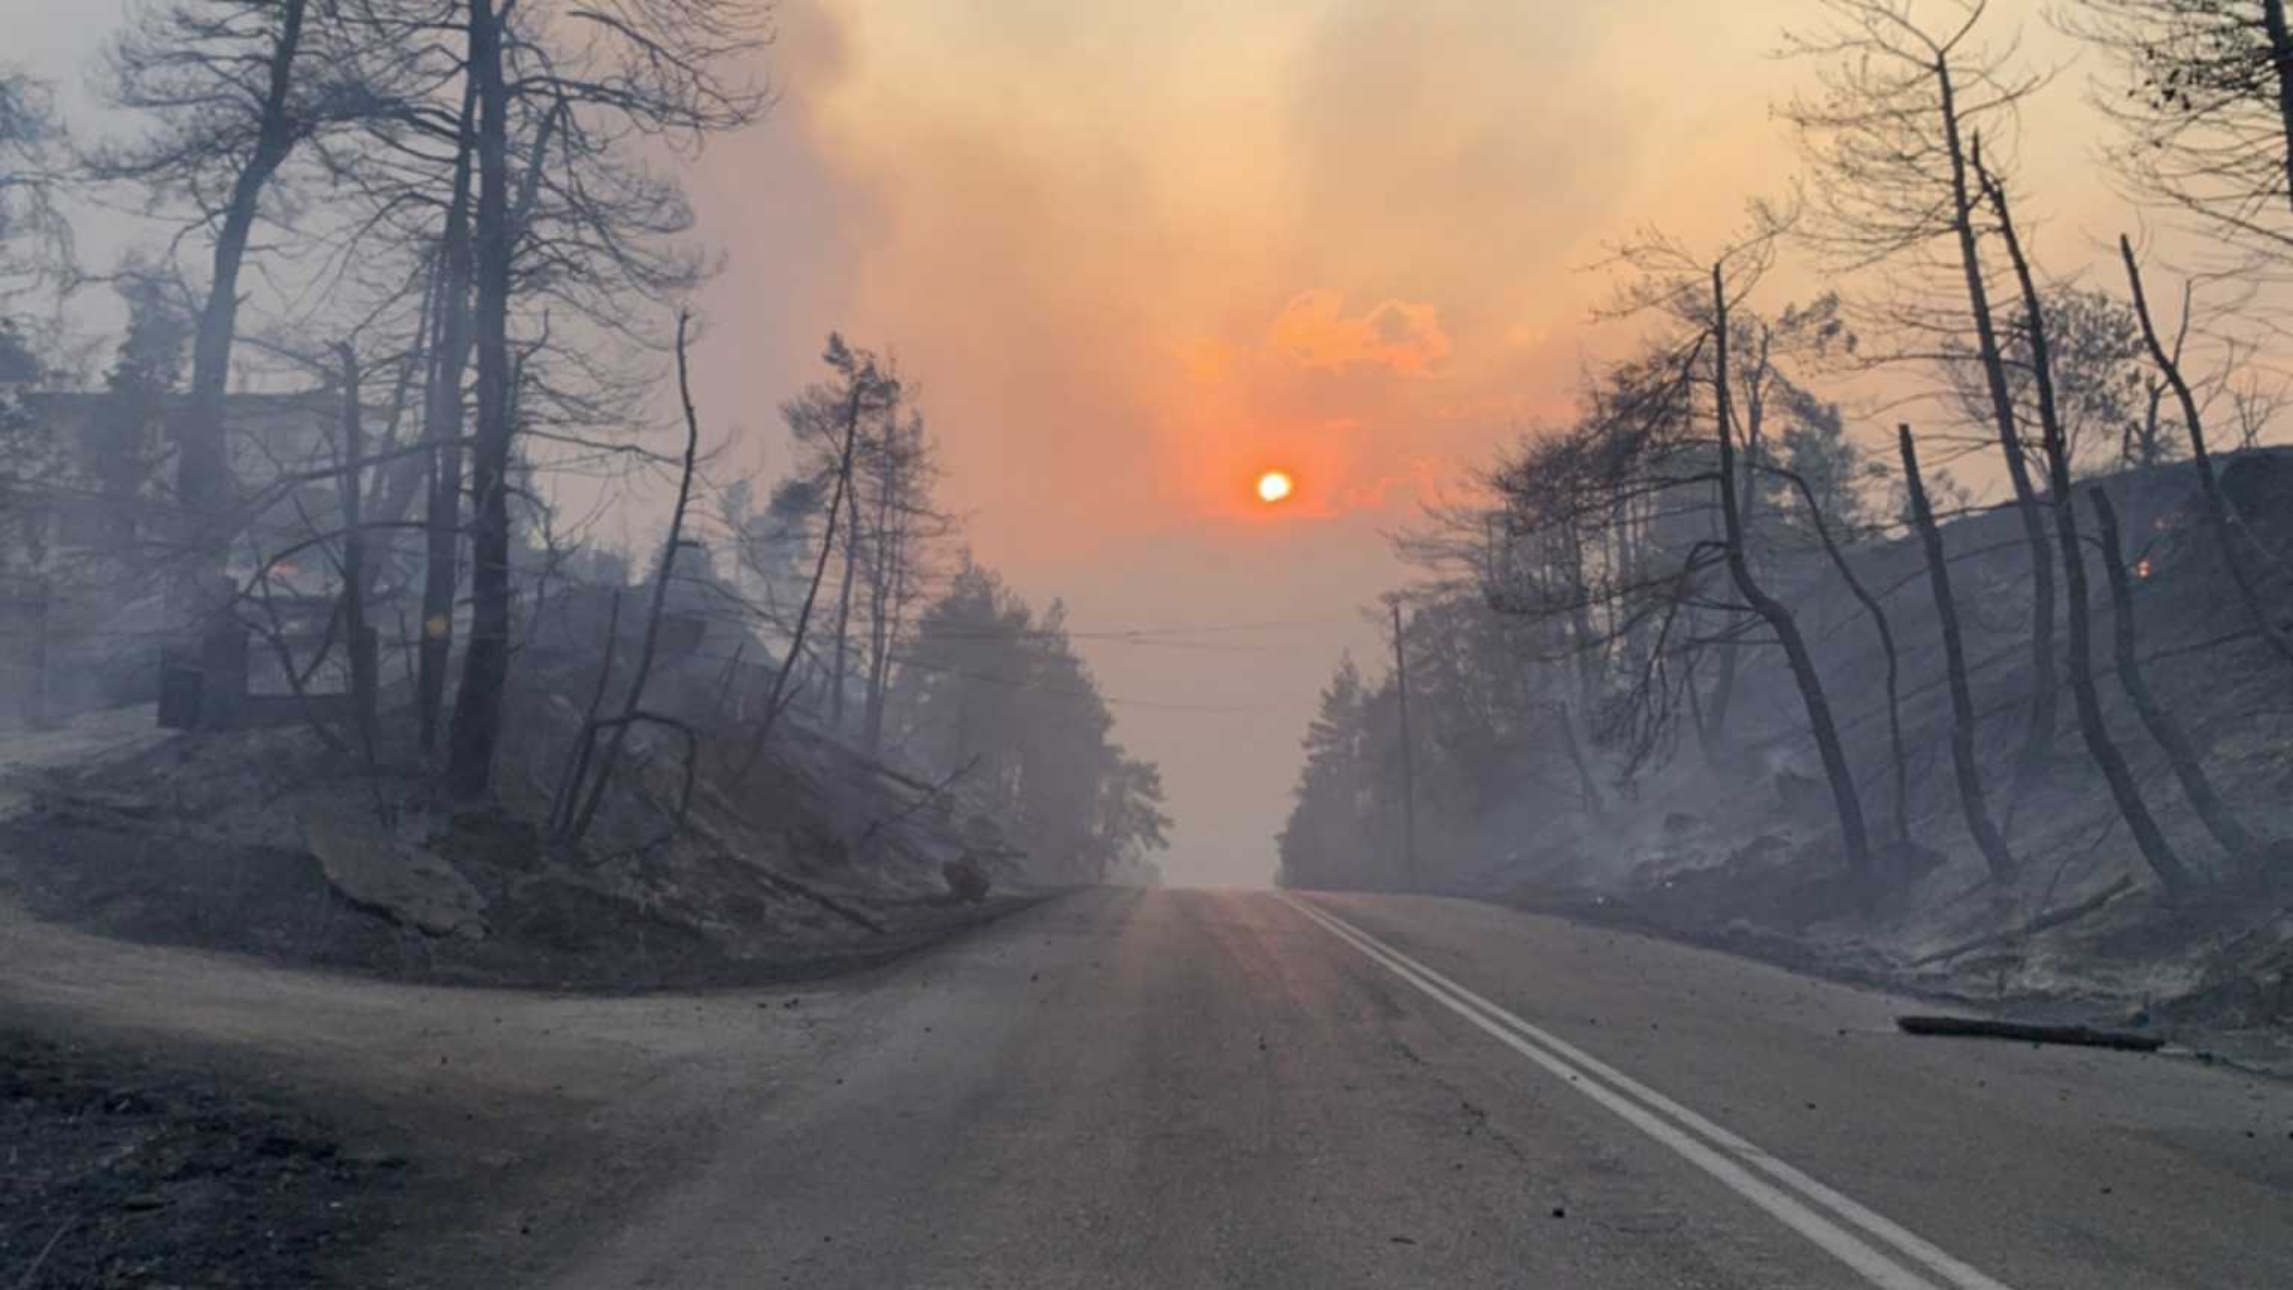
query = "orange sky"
{"x": 1146, "y": 247}
{"x": 1138, "y": 252}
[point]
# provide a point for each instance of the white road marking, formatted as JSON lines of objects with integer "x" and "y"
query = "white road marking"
{"x": 1709, "y": 1147}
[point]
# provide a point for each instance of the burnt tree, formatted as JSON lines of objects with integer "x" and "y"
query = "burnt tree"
{"x": 1965, "y": 767}
{"x": 2156, "y": 851}
{"x": 486, "y": 663}
{"x": 2189, "y": 772}
{"x": 1891, "y": 137}
{"x": 1854, "y": 835}
{"x": 2228, "y": 536}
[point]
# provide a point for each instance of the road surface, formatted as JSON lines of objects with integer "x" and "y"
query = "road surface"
{"x": 1181, "y": 1089}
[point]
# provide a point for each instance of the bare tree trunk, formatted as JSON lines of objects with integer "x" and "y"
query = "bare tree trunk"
{"x": 2242, "y": 846}
{"x": 2038, "y": 744}
{"x": 442, "y": 426}
{"x": 880, "y": 595}
{"x": 1968, "y": 771}
{"x": 844, "y": 606}
{"x": 203, "y": 467}
{"x": 2216, "y": 507}
{"x": 880, "y": 675}
{"x": 1748, "y": 503}
{"x": 2123, "y": 789}
{"x": 861, "y": 381}
{"x": 1886, "y": 632}
{"x": 1778, "y": 618}
{"x": 2281, "y": 67}
{"x": 363, "y": 682}
{"x": 629, "y": 713}
{"x": 486, "y": 664}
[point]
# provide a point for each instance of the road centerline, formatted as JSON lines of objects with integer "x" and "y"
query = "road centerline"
{"x": 1725, "y": 1155}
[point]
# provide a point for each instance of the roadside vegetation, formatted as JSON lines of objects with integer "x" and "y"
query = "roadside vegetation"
{"x": 1741, "y": 652}
{"x": 360, "y": 493}
{"x": 377, "y": 596}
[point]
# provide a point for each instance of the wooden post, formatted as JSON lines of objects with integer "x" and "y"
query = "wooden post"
{"x": 1408, "y": 753}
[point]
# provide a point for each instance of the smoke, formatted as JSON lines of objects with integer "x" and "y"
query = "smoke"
{"x": 1131, "y": 255}
{"x": 1314, "y": 330}
{"x": 1135, "y": 255}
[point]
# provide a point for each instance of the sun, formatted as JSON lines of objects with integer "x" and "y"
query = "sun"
{"x": 1274, "y": 486}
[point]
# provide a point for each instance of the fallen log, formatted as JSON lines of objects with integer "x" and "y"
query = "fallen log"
{"x": 1986, "y": 1028}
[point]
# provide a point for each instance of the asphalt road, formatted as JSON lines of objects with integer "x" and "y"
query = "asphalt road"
{"x": 1180, "y": 1089}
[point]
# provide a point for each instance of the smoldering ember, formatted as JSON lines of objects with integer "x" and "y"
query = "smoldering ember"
{"x": 911, "y": 643}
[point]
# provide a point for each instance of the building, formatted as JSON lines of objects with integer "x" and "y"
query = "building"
{"x": 88, "y": 532}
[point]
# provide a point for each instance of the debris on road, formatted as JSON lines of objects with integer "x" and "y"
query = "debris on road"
{"x": 1986, "y": 1028}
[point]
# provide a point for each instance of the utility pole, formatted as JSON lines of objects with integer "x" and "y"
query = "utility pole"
{"x": 1408, "y": 756}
